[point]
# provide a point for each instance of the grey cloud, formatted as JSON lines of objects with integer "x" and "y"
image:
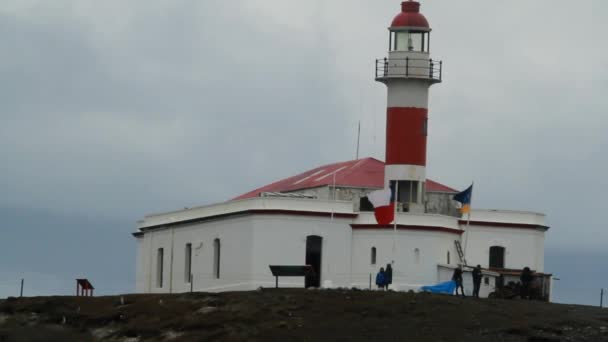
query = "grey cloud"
{"x": 117, "y": 109}
{"x": 152, "y": 119}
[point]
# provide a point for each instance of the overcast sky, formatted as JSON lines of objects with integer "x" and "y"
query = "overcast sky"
{"x": 113, "y": 109}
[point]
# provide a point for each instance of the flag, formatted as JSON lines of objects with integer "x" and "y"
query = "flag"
{"x": 465, "y": 199}
{"x": 384, "y": 205}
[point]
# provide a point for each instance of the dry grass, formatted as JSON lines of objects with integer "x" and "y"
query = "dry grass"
{"x": 296, "y": 315}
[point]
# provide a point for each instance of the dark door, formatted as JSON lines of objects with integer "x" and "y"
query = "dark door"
{"x": 313, "y": 258}
{"x": 497, "y": 257}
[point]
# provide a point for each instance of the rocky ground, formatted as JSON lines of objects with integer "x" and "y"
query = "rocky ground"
{"x": 296, "y": 315}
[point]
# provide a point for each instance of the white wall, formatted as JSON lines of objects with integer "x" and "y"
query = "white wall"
{"x": 508, "y": 216}
{"x": 257, "y": 203}
{"x": 251, "y": 242}
{"x": 524, "y": 247}
{"x": 141, "y": 263}
{"x": 281, "y": 240}
{"x": 235, "y": 236}
{"x": 408, "y": 271}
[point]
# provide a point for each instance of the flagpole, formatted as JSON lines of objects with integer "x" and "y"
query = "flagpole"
{"x": 466, "y": 239}
{"x": 334, "y": 199}
{"x": 358, "y": 140}
{"x": 395, "y": 214}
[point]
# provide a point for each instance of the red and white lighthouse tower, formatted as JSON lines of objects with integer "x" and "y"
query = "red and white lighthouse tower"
{"x": 408, "y": 72}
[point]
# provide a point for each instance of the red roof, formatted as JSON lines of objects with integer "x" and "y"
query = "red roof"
{"x": 410, "y": 16}
{"x": 362, "y": 173}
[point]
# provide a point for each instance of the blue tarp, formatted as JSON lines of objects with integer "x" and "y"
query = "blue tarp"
{"x": 448, "y": 288}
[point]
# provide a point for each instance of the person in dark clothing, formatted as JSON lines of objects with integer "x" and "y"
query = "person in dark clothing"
{"x": 526, "y": 280}
{"x": 388, "y": 275}
{"x": 457, "y": 277}
{"x": 476, "y": 280}
{"x": 381, "y": 278}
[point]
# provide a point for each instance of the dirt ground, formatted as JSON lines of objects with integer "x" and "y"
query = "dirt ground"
{"x": 296, "y": 315}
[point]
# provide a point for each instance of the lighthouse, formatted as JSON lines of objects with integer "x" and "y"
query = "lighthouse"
{"x": 408, "y": 72}
{"x": 322, "y": 221}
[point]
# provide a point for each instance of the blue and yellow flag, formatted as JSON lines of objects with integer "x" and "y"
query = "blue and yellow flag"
{"x": 465, "y": 198}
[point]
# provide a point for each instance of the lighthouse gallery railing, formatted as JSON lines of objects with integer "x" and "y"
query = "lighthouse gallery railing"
{"x": 409, "y": 67}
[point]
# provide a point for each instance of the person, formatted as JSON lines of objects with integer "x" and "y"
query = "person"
{"x": 388, "y": 275}
{"x": 457, "y": 277}
{"x": 476, "y": 280}
{"x": 526, "y": 280}
{"x": 381, "y": 278}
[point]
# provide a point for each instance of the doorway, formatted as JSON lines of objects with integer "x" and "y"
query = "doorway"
{"x": 314, "y": 245}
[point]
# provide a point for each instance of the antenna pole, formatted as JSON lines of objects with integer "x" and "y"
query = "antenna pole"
{"x": 358, "y": 140}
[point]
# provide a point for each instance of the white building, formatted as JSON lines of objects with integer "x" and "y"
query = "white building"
{"x": 322, "y": 217}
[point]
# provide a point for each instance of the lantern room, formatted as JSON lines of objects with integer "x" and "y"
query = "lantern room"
{"x": 409, "y": 39}
{"x": 410, "y": 31}
{"x": 409, "y": 48}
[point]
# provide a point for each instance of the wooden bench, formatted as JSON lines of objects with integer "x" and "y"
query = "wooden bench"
{"x": 290, "y": 271}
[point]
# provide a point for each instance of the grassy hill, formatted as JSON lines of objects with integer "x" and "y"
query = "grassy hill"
{"x": 296, "y": 315}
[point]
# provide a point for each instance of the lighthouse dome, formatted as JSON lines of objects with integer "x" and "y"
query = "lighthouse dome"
{"x": 410, "y": 16}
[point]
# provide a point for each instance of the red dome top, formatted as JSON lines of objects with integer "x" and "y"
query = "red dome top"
{"x": 410, "y": 16}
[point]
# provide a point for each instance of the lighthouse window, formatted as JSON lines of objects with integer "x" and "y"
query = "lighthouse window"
{"x": 410, "y": 41}
{"x": 414, "y": 43}
{"x": 401, "y": 39}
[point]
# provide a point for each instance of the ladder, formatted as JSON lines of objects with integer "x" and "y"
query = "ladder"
{"x": 460, "y": 252}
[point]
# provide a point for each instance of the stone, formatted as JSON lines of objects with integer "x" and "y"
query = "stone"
{"x": 206, "y": 310}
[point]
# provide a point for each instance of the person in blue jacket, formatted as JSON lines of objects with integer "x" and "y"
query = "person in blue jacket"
{"x": 381, "y": 278}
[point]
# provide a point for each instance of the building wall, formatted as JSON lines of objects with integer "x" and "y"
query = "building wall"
{"x": 441, "y": 203}
{"x": 235, "y": 236}
{"x": 417, "y": 254}
{"x": 523, "y": 247}
{"x": 231, "y": 207}
{"x": 341, "y": 193}
{"x": 141, "y": 262}
{"x": 249, "y": 244}
{"x": 281, "y": 240}
{"x": 252, "y": 242}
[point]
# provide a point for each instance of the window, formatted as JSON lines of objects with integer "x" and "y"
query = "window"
{"x": 497, "y": 257}
{"x": 407, "y": 192}
{"x": 365, "y": 204}
{"x": 425, "y": 127}
{"x": 159, "y": 267}
{"x": 448, "y": 257}
{"x": 410, "y": 41}
{"x": 216, "y": 258}
{"x": 373, "y": 256}
{"x": 401, "y": 40}
{"x": 417, "y": 255}
{"x": 188, "y": 263}
{"x": 486, "y": 280}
